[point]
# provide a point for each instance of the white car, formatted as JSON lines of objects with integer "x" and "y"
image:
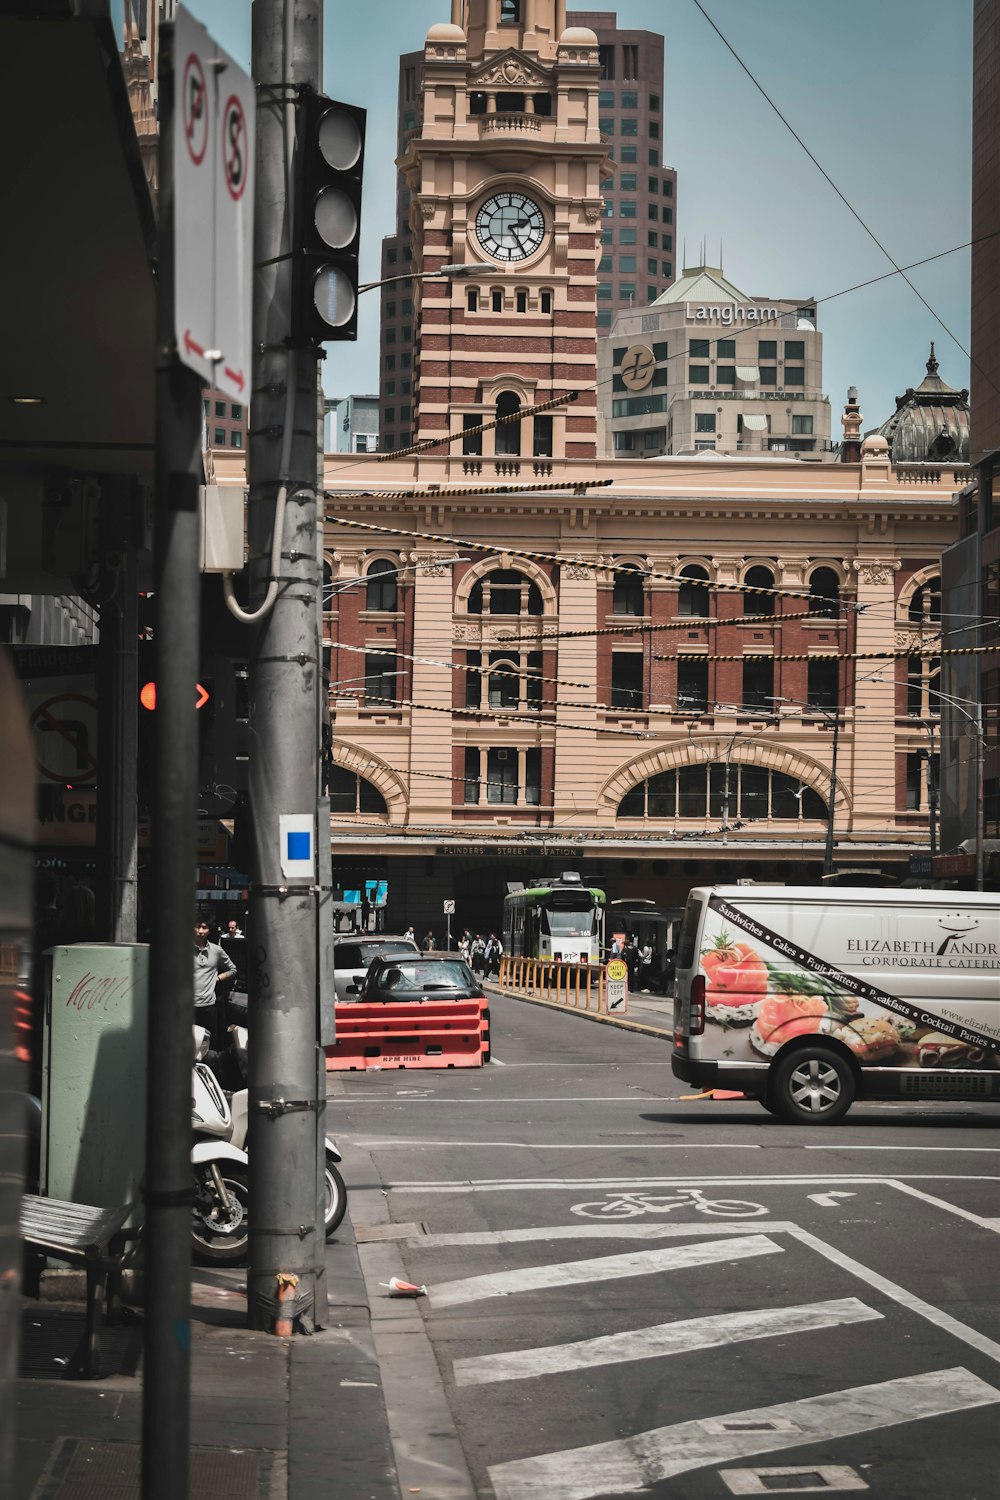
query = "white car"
{"x": 352, "y": 956}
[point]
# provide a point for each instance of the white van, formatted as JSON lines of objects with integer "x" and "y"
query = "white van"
{"x": 808, "y": 998}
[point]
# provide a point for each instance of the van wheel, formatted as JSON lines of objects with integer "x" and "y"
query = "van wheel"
{"x": 812, "y": 1086}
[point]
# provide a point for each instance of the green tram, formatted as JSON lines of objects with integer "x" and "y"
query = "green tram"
{"x": 562, "y": 921}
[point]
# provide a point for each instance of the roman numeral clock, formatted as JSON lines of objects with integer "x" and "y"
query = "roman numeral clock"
{"x": 510, "y": 227}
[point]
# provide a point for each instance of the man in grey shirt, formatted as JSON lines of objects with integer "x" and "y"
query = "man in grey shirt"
{"x": 212, "y": 967}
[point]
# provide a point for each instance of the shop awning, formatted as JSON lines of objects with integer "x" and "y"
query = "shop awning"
{"x": 755, "y": 423}
{"x": 748, "y": 372}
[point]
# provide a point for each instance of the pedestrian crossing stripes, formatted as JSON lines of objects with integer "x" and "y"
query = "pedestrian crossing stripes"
{"x": 681, "y": 1337}
{"x": 602, "y": 1268}
{"x": 630, "y": 1465}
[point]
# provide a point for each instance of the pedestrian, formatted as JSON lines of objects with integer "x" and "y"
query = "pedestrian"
{"x": 630, "y": 953}
{"x": 463, "y": 945}
{"x": 233, "y": 929}
{"x": 477, "y": 955}
{"x": 646, "y": 966}
{"x": 429, "y": 942}
{"x": 212, "y": 967}
{"x": 494, "y": 952}
{"x": 409, "y": 933}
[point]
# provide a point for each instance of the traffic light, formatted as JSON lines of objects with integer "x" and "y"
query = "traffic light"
{"x": 328, "y": 233}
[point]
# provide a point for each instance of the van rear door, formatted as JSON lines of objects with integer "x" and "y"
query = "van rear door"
{"x": 686, "y": 964}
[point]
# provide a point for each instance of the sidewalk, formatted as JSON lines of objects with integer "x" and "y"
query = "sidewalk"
{"x": 271, "y": 1418}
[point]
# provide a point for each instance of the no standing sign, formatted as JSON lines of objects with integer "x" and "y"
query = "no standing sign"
{"x": 213, "y": 139}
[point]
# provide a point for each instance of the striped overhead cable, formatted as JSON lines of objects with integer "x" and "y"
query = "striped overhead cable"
{"x": 479, "y": 489}
{"x": 448, "y": 437}
{"x": 534, "y": 556}
{"x": 500, "y": 713}
{"x": 932, "y": 655}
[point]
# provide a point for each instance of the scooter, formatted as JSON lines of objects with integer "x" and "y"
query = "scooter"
{"x": 336, "y": 1189}
{"x": 220, "y": 1223}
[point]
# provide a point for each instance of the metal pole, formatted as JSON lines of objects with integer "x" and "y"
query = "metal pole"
{"x": 828, "y": 853}
{"x": 285, "y": 681}
{"x": 167, "y": 1228}
{"x": 932, "y": 793}
{"x": 980, "y": 794}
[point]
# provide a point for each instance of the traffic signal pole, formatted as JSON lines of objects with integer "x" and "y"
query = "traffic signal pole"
{"x": 286, "y": 1283}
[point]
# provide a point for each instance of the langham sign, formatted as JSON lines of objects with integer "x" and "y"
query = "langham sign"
{"x": 727, "y": 313}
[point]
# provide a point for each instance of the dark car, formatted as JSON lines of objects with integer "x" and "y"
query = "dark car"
{"x": 422, "y": 977}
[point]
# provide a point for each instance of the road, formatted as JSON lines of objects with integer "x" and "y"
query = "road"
{"x": 629, "y": 1291}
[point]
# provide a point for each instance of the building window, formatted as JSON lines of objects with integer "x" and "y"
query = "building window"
{"x": 795, "y": 349}
{"x": 220, "y": 408}
{"x": 472, "y": 441}
{"x": 914, "y": 778}
{"x": 624, "y": 442}
{"x": 704, "y": 421}
{"x": 477, "y": 103}
{"x": 380, "y": 592}
{"x": 380, "y": 677}
{"x": 542, "y": 104}
{"x": 606, "y": 57}
{"x": 605, "y": 98}
{"x": 545, "y": 302}
{"x": 628, "y": 597}
{"x": 236, "y": 411}
{"x": 698, "y": 348}
{"x": 626, "y": 208}
{"x": 795, "y": 375}
{"x": 652, "y": 211}
{"x": 823, "y": 689}
{"x": 692, "y": 685}
{"x": 654, "y": 103}
{"x": 824, "y": 594}
{"x": 630, "y": 126}
{"x": 501, "y": 775}
{"x": 606, "y": 127}
{"x": 496, "y": 301}
{"x": 767, "y": 348}
{"x": 626, "y": 265}
{"x": 627, "y": 182}
{"x": 629, "y": 99}
{"x": 650, "y": 265}
{"x": 352, "y": 794}
{"x": 472, "y": 300}
{"x": 654, "y": 130}
{"x": 626, "y": 679}
{"x": 725, "y": 374}
{"x": 698, "y": 375}
{"x": 653, "y": 157}
{"x": 704, "y": 445}
{"x": 236, "y": 440}
{"x": 758, "y": 604}
{"x": 768, "y": 374}
{"x": 472, "y": 777}
{"x": 626, "y": 234}
{"x": 604, "y": 319}
{"x": 758, "y": 684}
{"x": 604, "y": 292}
{"x": 521, "y": 300}
{"x": 510, "y": 12}
{"x": 725, "y": 349}
{"x": 220, "y": 437}
{"x": 629, "y": 156}
{"x": 925, "y": 605}
{"x": 505, "y": 592}
{"x": 668, "y": 187}
{"x": 694, "y": 594}
{"x": 802, "y": 425}
{"x": 542, "y": 437}
{"x": 724, "y": 793}
{"x": 653, "y": 184}
{"x": 630, "y": 62}
{"x": 607, "y": 236}
{"x": 606, "y": 263}
{"x": 627, "y": 291}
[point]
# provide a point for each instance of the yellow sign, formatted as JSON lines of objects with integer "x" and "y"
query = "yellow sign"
{"x": 617, "y": 969}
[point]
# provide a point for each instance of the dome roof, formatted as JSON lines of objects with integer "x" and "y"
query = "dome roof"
{"x": 445, "y": 31}
{"x": 578, "y": 36}
{"x": 930, "y": 424}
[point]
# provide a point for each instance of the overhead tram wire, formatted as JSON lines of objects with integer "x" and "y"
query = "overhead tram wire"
{"x": 842, "y": 196}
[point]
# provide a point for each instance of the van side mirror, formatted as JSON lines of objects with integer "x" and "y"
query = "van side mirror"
{"x": 353, "y": 988}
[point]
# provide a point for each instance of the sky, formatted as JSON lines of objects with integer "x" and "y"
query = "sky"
{"x": 880, "y": 92}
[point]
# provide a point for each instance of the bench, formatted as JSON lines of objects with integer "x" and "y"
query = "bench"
{"x": 95, "y": 1238}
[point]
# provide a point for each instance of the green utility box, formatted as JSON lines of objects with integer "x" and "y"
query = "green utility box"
{"x": 94, "y": 1073}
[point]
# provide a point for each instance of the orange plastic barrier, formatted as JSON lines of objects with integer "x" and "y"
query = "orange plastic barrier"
{"x": 410, "y": 1034}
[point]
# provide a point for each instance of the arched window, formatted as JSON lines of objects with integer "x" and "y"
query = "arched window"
{"x": 628, "y": 596}
{"x": 758, "y": 604}
{"x": 693, "y": 594}
{"x": 824, "y": 594}
{"x": 926, "y": 603}
{"x": 508, "y": 436}
{"x": 350, "y": 793}
{"x": 753, "y": 793}
{"x": 505, "y": 592}
{"x": 505, "y": 685}
{"x": 381, "y": 590}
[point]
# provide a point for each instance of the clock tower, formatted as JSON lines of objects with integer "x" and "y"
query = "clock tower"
{"x": 504, "y": 176}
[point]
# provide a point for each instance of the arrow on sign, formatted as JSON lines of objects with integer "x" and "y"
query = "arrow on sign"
{"x": 191, "y": 346}
{"x": 828, "y": 1200}
{"x": 237, "y": 377}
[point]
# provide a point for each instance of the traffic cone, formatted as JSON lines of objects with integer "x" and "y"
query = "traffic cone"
{"x": 727, "y": 1094}
{"x": 397, "y": 1287}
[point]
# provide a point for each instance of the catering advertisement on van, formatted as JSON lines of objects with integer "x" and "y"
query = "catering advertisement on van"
{"x": 762, "y": 990}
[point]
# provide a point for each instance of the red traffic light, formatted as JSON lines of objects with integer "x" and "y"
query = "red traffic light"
{"x": 147, "y": 695}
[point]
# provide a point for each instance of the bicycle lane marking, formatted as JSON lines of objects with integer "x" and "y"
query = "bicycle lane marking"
{"x": 683, "y": 1336}
{"x": 601, "y": 1268}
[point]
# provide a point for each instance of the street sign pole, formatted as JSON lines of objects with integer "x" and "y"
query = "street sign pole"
{"x": 168, "y": 1198}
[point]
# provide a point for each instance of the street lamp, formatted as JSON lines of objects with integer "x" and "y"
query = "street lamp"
{"x": 449, "y": 273}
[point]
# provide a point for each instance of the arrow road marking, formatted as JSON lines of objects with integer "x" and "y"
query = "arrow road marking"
{"x": 829, "y": 1200}
{"x": 632, "y": 1465}
{"x": 603, "y": 1268}
{"x": 665, "y": 1338}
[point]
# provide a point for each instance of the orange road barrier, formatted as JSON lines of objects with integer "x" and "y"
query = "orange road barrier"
{"x": 578, "y": 986}
{"x": 410, "y": 1034}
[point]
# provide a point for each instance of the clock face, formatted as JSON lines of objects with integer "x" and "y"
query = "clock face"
{"x": 510, "y": 226}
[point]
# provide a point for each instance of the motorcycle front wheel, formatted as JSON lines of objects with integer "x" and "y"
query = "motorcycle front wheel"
{"x": 336, "y": 1198}
{"x": 221, "y": 1234}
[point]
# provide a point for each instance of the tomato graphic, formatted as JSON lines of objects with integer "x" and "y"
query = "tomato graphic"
{"x": 734, "y": 966}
